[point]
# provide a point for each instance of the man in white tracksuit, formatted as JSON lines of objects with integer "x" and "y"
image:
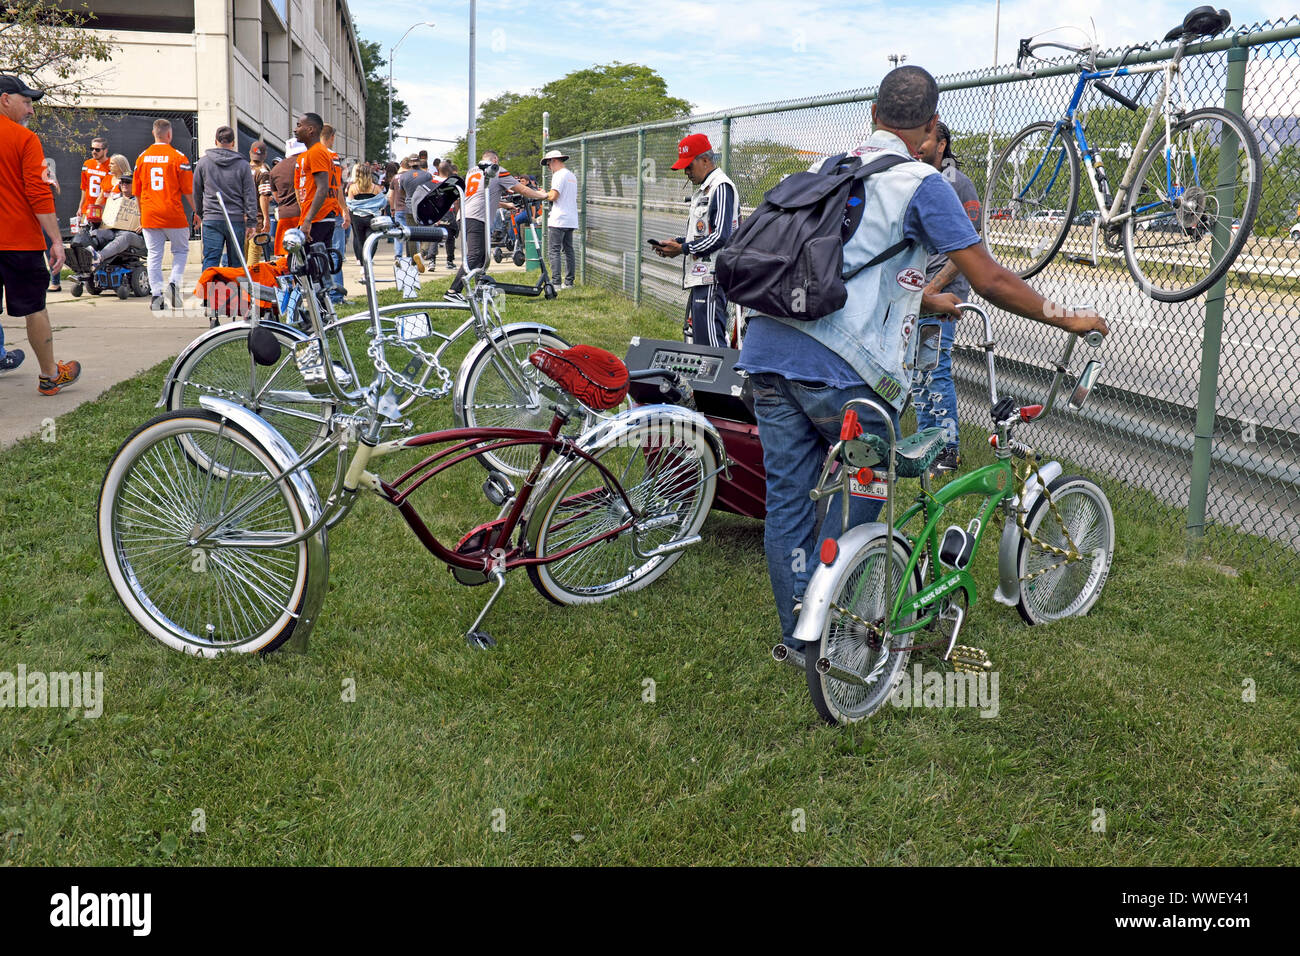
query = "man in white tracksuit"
{"x": 715, "y": 215}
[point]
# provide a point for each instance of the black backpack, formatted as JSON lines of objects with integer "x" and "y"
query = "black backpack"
{"x": 787, "y": 259}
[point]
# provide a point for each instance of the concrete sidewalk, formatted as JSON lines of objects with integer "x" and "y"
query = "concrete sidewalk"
{"x": 116, "y": 339}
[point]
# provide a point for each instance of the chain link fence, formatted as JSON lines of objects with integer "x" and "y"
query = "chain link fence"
{"x": 1199, "y": 407}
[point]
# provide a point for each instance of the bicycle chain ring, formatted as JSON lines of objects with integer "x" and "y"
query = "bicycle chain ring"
{"x": 1113, "y": 238}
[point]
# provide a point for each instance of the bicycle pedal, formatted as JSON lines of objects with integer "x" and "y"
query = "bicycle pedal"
{"x": 787, "y": 655}
{"x": 971, "y": 660}
{"x": 498, "y": 489}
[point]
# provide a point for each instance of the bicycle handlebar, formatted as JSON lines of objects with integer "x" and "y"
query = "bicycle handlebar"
{"x": 1092, "y": 339}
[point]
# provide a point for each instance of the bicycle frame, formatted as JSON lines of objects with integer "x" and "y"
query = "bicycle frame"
{"x": 1109, "y": 206}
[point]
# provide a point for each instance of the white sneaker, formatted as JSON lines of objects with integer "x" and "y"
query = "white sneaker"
{"x": 567, "y": 285}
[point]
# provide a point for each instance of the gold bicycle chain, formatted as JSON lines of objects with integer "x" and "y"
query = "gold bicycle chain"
{"x": 1070, "y": 556}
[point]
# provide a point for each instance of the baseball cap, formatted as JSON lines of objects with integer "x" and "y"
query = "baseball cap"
{"x": 293, "y": 146}
{"x": 413, "y": 158}
{"x": 11, "y": 84}
{"x": 259, "y": 148}
{"x": 689, "y": 148}
{"x": 554, "y": 154}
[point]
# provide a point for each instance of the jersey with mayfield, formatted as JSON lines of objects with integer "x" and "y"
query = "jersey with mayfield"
{"x": 96, "y": 176}
{"x": 316, "y": 160}
{"x": 163, "y": 175}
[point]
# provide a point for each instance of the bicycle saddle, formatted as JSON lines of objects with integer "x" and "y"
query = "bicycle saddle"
{"x": 913, "y": 455}
{"x": 593, "y": 376}
{"x": 1201, "y": 22}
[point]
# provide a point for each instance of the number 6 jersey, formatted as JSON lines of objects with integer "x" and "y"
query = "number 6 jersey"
{"x": 162, "y": 175}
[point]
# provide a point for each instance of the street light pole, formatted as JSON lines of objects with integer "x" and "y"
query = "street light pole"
{"x": 471, "y": 156}
{"x": 391, "y": 52}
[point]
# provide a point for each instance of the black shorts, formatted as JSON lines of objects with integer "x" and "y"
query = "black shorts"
{"x": 23, "y": 281}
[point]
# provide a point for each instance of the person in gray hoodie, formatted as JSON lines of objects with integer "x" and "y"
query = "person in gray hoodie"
{"x": 225, "y": 172}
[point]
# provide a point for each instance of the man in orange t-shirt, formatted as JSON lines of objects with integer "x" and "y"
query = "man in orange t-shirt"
{"x": 338, "y": 241}
{"x": 312, "y": 180}
{"x": 26, "y": 219}
{"x": 96, "y": 173}
{"x": 164, "y": 183}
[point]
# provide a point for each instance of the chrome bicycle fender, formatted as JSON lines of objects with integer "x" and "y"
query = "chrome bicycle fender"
{"x": 462, "y": 374}
{"x": 817, "y": 596}
{"x": 305, "y": 491}
{"x": 612, "y": 431}
{"x": 1008, "y": 591}
{"x": 219, "y": 331}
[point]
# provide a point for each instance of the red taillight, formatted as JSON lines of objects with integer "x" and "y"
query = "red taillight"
{"x": 1030, "y": 412}
{"x": 866, "y": 476}
{"x": 851, "y": 428}
{"x": 993, "y": 440}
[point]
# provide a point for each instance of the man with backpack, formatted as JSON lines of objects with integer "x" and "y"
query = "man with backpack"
{"x": 714, "y": 216}
{"x": 860, "y": 344}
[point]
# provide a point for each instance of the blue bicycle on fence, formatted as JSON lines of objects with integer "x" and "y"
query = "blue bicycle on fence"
{"x": 1183, "y": 209}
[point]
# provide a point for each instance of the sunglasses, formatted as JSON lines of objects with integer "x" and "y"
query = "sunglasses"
{"x": 98, "y": 149}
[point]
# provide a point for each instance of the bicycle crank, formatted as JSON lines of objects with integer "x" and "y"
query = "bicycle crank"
{"x": 970, "y": 660}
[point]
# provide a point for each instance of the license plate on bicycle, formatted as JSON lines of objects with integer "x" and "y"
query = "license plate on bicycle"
{"x": 878, "y": 489}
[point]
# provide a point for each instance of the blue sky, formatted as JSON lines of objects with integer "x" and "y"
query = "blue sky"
{"x": 721, "y": 53}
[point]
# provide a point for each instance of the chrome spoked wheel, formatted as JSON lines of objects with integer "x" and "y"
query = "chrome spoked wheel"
{"x": 856, "y": 637}
{"x": 225, "y": 593}
{"x": 503, "y": 390}
{"x": 222, "y": 367}
{"x": 668, "y": 476}
{"x": 1079, "y": 522}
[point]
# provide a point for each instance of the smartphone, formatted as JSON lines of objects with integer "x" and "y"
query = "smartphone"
{"x": 654, "y": 242}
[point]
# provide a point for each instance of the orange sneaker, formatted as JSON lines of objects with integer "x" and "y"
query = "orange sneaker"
{"x": 69, "y": 372}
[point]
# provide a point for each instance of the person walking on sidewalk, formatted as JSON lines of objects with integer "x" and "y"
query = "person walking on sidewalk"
{"x": 164, "y": 184}
{"x": 224, "y": 173}
{"x": 27, "y": 220}
{"x": 342, "y": 220}
{"x": 262, "y": 186}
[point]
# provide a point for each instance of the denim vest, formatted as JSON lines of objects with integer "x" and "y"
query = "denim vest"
{"x": 873, "y": 333}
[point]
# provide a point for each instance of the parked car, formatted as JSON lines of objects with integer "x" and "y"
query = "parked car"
{"x": 1085, "y": 218}
{"x": 1047, "y": 215}
{"x": 1295, "y": 232}
{"x": 1005, "y": 213}
{"x": 1163, "y": 223}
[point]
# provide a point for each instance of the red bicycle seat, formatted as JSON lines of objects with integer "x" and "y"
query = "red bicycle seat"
{"x": 593, "y": 376}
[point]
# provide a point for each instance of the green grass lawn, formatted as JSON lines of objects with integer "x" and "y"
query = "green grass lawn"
{"x": 545, "y": 750}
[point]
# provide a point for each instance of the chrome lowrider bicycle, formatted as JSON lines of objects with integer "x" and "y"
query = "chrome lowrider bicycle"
{"x": 213, "y": 532}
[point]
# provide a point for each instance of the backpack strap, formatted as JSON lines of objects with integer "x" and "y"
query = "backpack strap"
{"x": 879, "y": 165}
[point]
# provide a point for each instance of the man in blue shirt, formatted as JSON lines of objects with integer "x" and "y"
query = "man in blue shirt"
{"x": 804, "y": 372}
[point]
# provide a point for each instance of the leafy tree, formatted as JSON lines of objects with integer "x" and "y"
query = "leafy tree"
{"x": 759, "y": 164}
{"x": 597, "y": 98}
{"x": 49, "y": 47}
{"x": 373, "y": 63}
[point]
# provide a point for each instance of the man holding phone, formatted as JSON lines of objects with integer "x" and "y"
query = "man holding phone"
{"x": 714, "y": 216}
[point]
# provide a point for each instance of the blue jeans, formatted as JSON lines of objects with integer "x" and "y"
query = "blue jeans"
{"x": 933, "y": 393}
{"x": 216, "y": 240}
{"x": 399, "y": 249}
{"x": 797, "y": 424}
{"x": 339, "y": 243}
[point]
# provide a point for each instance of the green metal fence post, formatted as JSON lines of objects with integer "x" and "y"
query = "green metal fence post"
{"x": 725, "y": 148}
{"x": 582, "y": 213}
{"x": 1209, "y": 383}
{"x": 640, "y": 217}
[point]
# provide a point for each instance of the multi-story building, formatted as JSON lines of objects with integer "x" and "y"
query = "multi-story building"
{"x": 255, "y": 65}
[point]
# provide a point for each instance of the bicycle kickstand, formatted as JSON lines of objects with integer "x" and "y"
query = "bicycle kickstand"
{"x": 482, "y": 639}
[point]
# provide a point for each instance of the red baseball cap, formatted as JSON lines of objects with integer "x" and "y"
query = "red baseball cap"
{"x": 689, "y": 148}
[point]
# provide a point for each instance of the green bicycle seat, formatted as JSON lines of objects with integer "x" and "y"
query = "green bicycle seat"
{"x": 913, "y": 455}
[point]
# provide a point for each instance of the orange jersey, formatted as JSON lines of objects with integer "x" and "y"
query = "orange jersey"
{"x": 24, "y": 188}
{"x": 95, "y": 179}
{"x": 162, "y": 176}
{"x": 336, "y": 179}
{"x": 316, "y": 160}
